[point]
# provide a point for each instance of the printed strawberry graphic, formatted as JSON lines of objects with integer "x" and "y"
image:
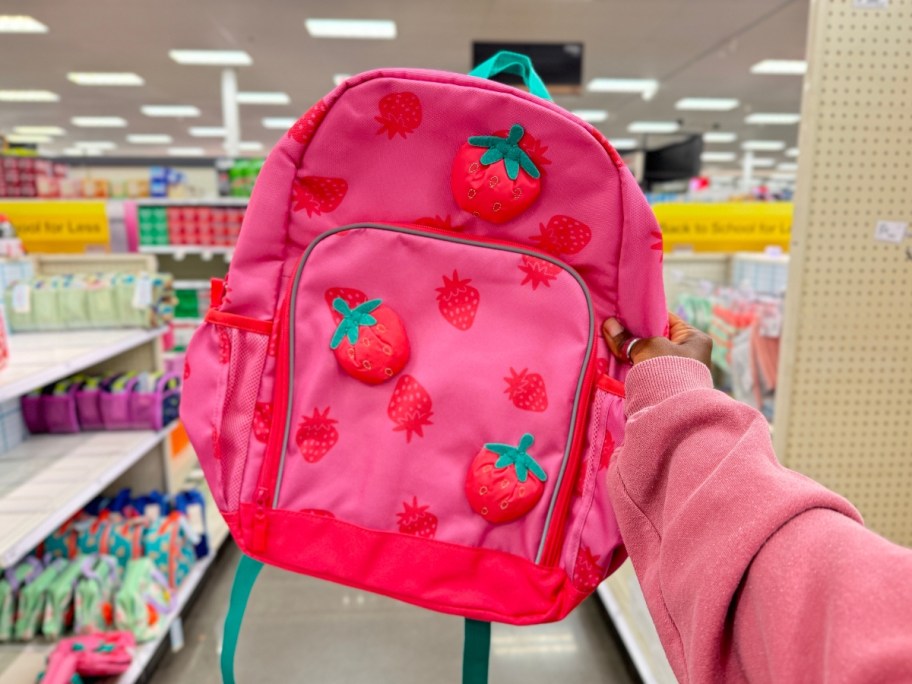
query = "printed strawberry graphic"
{"x": 410, "y": 407}
{"x": 587, "y": 573}
{"x": 262, "y": 420}
{"x": 400, "y": 113}
{"x": 417, "y": 520}
{"x": 601, "y": 366}
{"x": 351, "y": 296}
{"x": 318, "y": 512}
{"x": 370, "y": 343}
{"x": 563, "y": 236}
{"x": 527, "y": 390}
{"x": 216, "y": 443}
{"x": 494, "y": 178}
{"x": 504, "y": 482}
{"x": 658, "y": 244}
{"x": 186, "y": 369}
{"x": 438, "y": 223}
{"x": 224, "y": 345}
{"x": 458, "y": 301}
{"x": 305, "y": 127}
{"x": 318, "y": 195}
{"x": 272, "y": 347}
{"x": 604, "y": 459}
{"x": 316, "y": 435}
{"x": 538, "y": 271}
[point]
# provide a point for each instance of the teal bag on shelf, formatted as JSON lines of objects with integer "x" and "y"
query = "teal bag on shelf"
{"x": 30, "y": 607}
{"x": 94, "y": 599}
{"x": 142, "y": 599}
{"x": 10, "y": 583}
{"x": 58, "y": 604}
{"x": 171, "y": 544}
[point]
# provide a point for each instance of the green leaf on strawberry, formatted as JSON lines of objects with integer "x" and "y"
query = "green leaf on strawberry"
{"x": 353, "y": 320}
{"x": 508, "y": 150}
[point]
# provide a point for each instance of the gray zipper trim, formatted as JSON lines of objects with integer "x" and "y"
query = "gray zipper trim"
{"x": 575, "y": 414}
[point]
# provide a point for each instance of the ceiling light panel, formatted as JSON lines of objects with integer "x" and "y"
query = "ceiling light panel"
{"x": 717, "y": 156}
{"x": 791, "y": 152}
{"x": 707, "y": 104}
{"x": 591, "y": 115}
{"x": 787, "y": 166}
{"x": 207, "y": 132}
{"x": 263, "y": 98}
{"x": 28, "y": 96}
{"x": 28, "y": 139}
{"x": 653, "y": 127}
{"x": 99, "y": 121}
{"x": 624, "y": 143}
{"x": 788, "y": 67}
{"x": 719, "y": 137}
{"x": 186, "y": 151}
{"x": 250, "y": 146}
{"x": 339, "y": 79}
{"x": 171, "y": 110}
{"x": 646, "y": 87}
{"x": 763, "y": 145}
{"x": 279, "y": 122}
{"x": 211, "y": 57}
{"x": 20, "y": 23}
{"x": 39, "y": 130}
{"x": 763, "y": 162}
{"x": 96, "y": 145}
{"x": 105, "y": 78}
{"x": 368, "y": 29}
{"x": 149, "y": 139}
{"x": 773, "y": 118}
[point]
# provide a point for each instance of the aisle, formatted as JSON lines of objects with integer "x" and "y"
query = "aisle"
{"x": 304, "y": 630}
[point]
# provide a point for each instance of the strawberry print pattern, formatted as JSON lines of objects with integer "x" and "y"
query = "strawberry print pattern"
{"x": 262, "y": 420}
{"x": 318, "y": 195}
{"x": 318, "y": 512}
{"x": 224, "y": 345}
{"x": 400, "y": 114}
{"x": 563, "y": 236}
{"x": 417, "y": 520}
{"x": 537, "y": 271}
{"x": 587, "y": 573}
{"x": 658, "y": 244}
{"x": 306, "y": 126}
{"x": 527, "y": 390}
{"x": 410, "y": 407}
{"x": 458, "y": 301}
{"x": 445, "y": 223}
{"x": 186, "y": 369}
{"x": 316, "y": 435}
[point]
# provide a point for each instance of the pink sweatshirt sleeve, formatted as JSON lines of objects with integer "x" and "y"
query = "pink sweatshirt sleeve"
{"x": 752, "y": 572}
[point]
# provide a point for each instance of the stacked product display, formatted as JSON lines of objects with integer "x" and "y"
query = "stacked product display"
{"x": 217, "y": 226}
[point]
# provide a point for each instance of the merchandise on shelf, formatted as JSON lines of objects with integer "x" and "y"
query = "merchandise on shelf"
{"x": 192, "y": 302}
{"x": 104, "y": 300}
{"x": 216, "y": 226}
{"x": 121, "y": 401}
{"x": 95, "y": 655}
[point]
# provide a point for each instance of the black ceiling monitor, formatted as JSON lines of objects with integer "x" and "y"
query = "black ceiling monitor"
{"x": 558, "y": 64}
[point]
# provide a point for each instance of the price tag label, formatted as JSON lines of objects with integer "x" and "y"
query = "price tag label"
{"x": 142, "y": 292}
{"x": 893, "y": 232}
{"x": 22, "y": 298}
{"x": 871, "y": 4}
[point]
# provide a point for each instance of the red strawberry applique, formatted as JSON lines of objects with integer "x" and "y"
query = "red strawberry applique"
{"x": 438, "y": 223}
{"x": 494, "y": 178}
{"x": 587, "y": 573}
{"x": 317, "y": 434}
{"x": 410, "y": 407}
{"x": 305, "y": 127}
{"x": 400, "y": 114}
{"x": 563, "y": 236}
{"x": 527, "y": 390}
{"x": 318, "y": 195}
{"x": 262, "y": 420}
{"x": 224, "y": 345}
{"x": 458, "y": 301}
{"x": 369, "y": 342}
{"x": 538, "y": 271}
{"x": 417, "y": 520}
{"x": 504, "y": 482}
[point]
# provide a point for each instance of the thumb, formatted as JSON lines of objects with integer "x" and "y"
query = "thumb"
{"x": 615, "y": 336}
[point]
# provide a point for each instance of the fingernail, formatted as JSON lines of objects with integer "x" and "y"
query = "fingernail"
{"x": 613, "y": 327}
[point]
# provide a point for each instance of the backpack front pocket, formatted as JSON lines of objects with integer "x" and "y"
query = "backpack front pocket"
{"x": 469, "y": 427}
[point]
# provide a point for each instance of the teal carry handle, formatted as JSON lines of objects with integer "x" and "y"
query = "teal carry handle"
{"x": 513, "y": 63}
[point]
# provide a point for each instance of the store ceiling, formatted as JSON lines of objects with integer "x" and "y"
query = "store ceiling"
{"x": 697, "y": 48}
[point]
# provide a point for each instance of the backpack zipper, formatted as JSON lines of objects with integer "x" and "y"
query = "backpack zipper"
{"x": 269, "y": 481}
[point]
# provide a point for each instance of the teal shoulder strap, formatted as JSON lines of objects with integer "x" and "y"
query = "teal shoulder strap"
{"x": 476, "y": 652}
{"x": 513, "y": 63}
{"x": 244, "y": 579}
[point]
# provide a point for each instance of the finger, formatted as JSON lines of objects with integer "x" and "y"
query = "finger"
{"x": 616, "y": 337}
{"x": 680, "y": 331}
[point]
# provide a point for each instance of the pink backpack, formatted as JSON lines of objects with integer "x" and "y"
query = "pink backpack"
{"x": 401, "y": 386}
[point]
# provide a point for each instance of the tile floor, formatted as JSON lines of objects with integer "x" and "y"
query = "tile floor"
{"x": 299, "y": 629}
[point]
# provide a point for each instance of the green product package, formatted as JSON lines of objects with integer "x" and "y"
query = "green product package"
{"x": 71, "y": 299}
{"x": 10, "y": 583}
{"x": 141, "y": 600}
{"x": 30, "y": 608}
{"x": 46, "y": 303}
{"x": 58, "y": 604}
{"x": 101, "y": 301}
{"x": 95, "y": 594}
{"x": 18, "y": 300}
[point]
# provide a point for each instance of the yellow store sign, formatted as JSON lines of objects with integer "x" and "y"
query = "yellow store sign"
{"x": 57, "y": 227}
{"x": 726, "y": 227}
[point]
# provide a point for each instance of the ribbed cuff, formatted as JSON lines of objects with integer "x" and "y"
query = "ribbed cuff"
{"x": 652, "y": 382}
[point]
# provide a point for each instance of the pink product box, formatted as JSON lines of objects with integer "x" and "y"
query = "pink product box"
{"x": 156, "y": 408}
{"x": 51, "y": 412}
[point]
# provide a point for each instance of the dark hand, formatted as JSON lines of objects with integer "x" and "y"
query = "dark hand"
{"x": 683, "y": 340}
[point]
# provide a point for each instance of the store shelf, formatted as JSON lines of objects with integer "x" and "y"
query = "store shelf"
{"x": 179, "y": 252}
{"x": 38, "y": 359}
{"x": 177, "y": 202}
{"x": 192, "y": 284}
{"x": 48, "y": 478}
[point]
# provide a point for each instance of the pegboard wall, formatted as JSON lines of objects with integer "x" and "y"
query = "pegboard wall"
{"x": 844, "y": 412}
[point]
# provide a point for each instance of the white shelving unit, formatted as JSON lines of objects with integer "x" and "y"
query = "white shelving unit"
{"x": 38, "y": 359}
{"x": 179, "y": 252}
